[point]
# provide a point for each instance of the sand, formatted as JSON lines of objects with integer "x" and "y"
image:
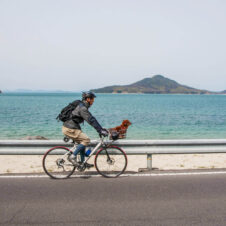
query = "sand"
{"x": 33, "y": 163}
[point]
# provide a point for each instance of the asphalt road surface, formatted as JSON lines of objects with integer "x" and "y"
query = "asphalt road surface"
{"x": 147, "y": 200}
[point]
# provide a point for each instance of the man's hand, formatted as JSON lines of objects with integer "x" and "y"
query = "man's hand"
{"x": 104, "y": 132}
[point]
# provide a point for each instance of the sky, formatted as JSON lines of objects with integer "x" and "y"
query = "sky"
{"x": 77, "y": 45}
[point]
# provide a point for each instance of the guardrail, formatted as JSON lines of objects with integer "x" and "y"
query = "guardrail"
{"x": 131, "y": 147}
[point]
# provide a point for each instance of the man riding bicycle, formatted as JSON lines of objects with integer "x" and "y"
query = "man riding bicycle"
{"x": 72, "y": 129}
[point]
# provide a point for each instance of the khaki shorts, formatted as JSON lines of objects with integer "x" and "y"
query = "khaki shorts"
{"x": 77, "y": 135}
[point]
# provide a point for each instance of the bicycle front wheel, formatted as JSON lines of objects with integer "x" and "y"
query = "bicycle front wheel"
{"x": 111, "y": 161}
{"x": 56, "y": 164}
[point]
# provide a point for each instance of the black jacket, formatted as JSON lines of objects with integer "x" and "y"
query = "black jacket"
{"x": 81, "y": 113}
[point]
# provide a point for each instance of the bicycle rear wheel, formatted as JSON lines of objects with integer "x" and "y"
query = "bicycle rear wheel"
{"x": 56, "y": 164}
{"x": 111, "y": 161}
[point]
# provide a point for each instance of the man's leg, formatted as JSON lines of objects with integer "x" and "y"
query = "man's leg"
{"x": 80, "y": 149}
{"x": 83, "y": 141}
{"x": 81, "y": 138}
{"x": 82, "y": 155}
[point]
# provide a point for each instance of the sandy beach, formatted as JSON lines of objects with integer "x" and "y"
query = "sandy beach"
{"x": 33, "y": 164}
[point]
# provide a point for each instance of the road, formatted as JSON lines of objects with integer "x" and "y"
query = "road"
{"x": 144, "y": 200}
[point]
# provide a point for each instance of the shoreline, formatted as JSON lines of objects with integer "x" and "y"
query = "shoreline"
{"x": 123, "y": 93}
{"x": 128, "y": 138}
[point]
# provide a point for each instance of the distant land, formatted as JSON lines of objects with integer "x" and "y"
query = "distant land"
{"x": 158, "y": 84}
{"x": 37, "y": 91}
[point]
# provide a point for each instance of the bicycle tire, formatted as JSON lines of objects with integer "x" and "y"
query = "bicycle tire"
{"x": 54, "y": 164}
{"x": 111, "y": 161}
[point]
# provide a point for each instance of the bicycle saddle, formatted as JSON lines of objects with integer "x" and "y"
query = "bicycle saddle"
{"x": 66, "y": 139}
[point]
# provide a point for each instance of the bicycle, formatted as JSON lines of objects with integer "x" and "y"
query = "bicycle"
{"x": 110, "y": 160}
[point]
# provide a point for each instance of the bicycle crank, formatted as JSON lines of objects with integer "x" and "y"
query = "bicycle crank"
{"x": 81, "y": 167}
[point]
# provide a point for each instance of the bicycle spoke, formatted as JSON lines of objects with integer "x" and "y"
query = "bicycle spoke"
{"x": 111, "y": 162}
{"x": 56, "y": 163}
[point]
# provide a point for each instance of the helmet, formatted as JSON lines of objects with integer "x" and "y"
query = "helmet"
{"x": 88, "y": 94}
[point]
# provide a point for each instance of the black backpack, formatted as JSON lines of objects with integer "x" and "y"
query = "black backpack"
{"x": 66, "y": 112}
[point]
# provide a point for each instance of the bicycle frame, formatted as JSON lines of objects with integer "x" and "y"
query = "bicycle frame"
{"x": 99, "y": 144}
{"x": 95, "y": 149}
{"x": 54, "y": 168}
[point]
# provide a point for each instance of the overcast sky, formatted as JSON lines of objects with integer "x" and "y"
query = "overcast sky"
{"x": 83, "y": 44}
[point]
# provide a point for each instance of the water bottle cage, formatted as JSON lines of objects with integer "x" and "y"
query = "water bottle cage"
{"x": 87, "y": 153}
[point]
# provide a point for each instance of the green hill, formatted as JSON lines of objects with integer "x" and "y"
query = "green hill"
{"x": 157, "y": 84}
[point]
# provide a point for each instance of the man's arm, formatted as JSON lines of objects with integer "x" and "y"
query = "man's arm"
{"x": 90, "y": 119}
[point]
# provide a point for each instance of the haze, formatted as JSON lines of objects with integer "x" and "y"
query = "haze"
{"x": 81, "y": 45}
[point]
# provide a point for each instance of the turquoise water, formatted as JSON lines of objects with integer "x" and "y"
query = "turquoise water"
{"x": 153, "y": 116}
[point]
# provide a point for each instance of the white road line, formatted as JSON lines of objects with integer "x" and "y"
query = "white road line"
{"x": 174, "y": 174}
{"x": 124, "y": 175}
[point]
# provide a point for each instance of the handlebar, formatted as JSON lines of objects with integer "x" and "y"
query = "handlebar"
{"x": 67, "y": 139}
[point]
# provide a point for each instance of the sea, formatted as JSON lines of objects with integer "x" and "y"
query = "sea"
{"x": 153, "y": 116}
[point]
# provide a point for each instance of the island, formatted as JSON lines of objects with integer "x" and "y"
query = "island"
{"x": 157, "y": 84}
{"x": 223, "y": 92}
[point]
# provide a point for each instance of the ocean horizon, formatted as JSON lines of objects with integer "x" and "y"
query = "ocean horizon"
{"x": 153, "y": 116}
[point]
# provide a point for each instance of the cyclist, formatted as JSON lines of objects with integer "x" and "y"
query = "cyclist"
{"x": 72, "y": 129}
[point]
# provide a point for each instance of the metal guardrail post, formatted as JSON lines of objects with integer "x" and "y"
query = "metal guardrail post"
{"x": 149, "y": 161}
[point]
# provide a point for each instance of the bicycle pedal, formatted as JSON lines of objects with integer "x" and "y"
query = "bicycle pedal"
{"x": 89, "y": 165}
{"x": 81, "y": 168}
